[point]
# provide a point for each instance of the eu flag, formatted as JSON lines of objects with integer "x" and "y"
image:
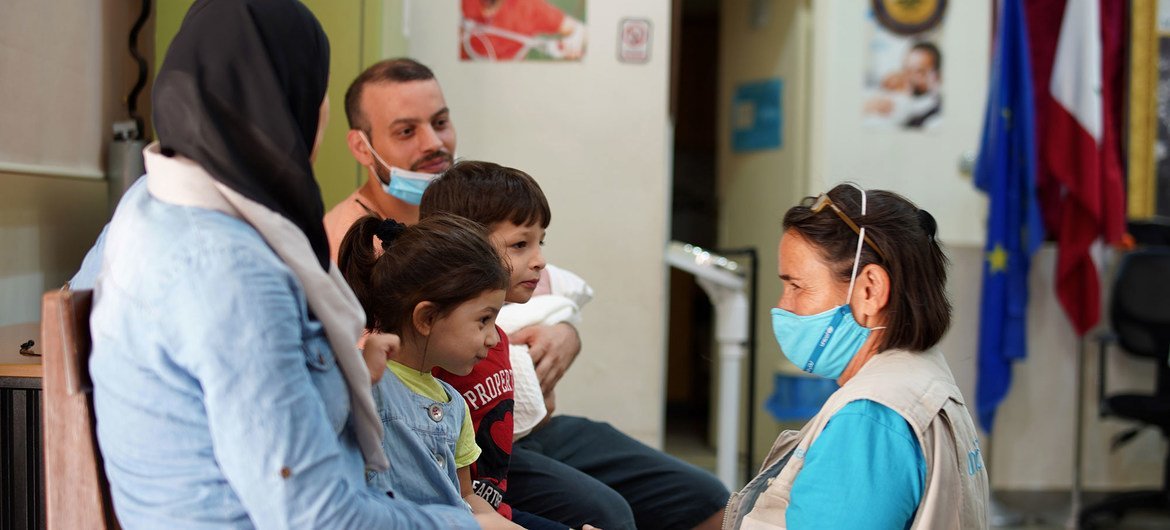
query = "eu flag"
{"x": 1005, "y": 171}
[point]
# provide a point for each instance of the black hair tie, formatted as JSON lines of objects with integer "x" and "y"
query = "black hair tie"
{"x": 389, "y": 230}
{"x": 928, "y": 224}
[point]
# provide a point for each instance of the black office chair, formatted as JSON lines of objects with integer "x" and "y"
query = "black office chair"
{"x": 1139, "y": 313}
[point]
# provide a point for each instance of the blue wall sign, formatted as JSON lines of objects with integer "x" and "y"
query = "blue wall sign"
{"x": 757, "y": 116}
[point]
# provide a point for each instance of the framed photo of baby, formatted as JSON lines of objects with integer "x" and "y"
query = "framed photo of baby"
{"x": 903, "y": 77}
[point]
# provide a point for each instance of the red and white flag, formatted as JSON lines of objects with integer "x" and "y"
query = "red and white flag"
{"x": 1076, "y": 71}
{"x": 1080, "y": 152}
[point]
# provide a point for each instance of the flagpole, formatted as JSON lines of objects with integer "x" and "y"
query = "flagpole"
{"x": 1074, "y": 512}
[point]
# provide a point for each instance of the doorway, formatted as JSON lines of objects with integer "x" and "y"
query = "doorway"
{"x": 694, "y": 219}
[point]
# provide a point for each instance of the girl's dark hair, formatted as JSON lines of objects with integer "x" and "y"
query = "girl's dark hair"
{"x": 487, "y": 193}
{"x": 919, "y": 310}
{"x": 444, "y": 259}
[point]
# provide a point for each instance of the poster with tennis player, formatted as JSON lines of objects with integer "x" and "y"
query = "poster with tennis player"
{"x": 522, "y": 30}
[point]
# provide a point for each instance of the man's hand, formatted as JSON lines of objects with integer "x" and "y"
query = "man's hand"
{"x": 495, "y": 521}
{"x": 895, "y": 82}
{"x": 377, "y": 348}
{"x": 553, "y": 349}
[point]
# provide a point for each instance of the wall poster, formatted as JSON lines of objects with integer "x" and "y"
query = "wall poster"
{"x": 522, "y": 30}
{"x": 903, "y": 77}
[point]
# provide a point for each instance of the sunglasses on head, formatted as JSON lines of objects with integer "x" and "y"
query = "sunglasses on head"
{"x": 823, "y": 200}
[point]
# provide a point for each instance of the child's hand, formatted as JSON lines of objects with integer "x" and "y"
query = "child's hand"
{"x": 377, "y": 349}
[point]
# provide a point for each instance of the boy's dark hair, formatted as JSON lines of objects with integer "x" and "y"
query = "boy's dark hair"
{"x": 486, "y": 193}
{"x": 444, "y": 259}
{"x": 918, "y": 307}
{"x": 400, "y": 70}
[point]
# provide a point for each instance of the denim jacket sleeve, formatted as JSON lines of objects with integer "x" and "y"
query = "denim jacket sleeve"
{"x": 245, "y": 333}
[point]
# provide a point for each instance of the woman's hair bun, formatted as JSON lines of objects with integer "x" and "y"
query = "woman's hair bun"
{"x": 928, "y": 224}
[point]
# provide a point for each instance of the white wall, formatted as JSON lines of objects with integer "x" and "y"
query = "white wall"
{"x": 597, "y": 136}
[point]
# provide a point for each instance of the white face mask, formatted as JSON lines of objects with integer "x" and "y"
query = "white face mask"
{"x": 405, "y": 185}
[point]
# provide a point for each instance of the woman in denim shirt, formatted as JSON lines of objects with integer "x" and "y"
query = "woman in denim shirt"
{"x": 227, "y": 390}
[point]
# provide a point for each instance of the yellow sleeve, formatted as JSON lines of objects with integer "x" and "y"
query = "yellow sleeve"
{"x": 466, "y": 451}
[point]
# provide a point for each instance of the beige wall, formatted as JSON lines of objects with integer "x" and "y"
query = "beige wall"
{"x": 922, "y": 164}
{"x": 596, "y": 135}
{"x": 46, "y": 225}
{"x": 1032, "y": 447}
{"x": 48, "y": 222}
{"x": 756, "y": 188}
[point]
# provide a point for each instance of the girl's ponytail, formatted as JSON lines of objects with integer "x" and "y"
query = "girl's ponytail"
{"x": 356, "y": 259}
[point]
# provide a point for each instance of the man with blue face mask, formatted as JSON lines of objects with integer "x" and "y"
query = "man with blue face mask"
{"x": 401, "y": 132}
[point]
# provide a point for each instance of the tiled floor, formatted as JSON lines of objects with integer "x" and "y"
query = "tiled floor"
{"x": 1049, "y": 510}
{"x": 1043, "y": 510}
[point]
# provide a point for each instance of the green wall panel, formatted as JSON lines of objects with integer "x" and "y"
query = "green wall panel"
{"x": 354, "y": 30}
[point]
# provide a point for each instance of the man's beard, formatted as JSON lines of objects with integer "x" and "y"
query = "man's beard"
{"x": 383, "y": 172}
{"x": 437, "y": 155}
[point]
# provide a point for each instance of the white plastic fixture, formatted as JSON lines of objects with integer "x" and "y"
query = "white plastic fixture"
{"x": 722, "y": 280}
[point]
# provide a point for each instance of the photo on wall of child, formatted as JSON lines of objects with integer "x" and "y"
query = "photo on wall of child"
{"x": 522, "y": 30}
{"x": 903, "y": 77}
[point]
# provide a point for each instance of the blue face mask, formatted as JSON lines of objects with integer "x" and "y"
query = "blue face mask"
{"x": 407, "y": 186}
{"x": 820, "y": 344}
{"x": 824, "y": 343}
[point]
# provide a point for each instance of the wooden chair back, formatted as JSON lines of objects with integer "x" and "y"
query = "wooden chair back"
{"x": 77, "y": 494}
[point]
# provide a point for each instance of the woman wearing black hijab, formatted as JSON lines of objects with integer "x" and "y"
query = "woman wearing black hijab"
{"x": 227, "y": 388}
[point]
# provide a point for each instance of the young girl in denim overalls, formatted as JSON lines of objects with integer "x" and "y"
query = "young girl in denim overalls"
{"x": 438, "y": 285}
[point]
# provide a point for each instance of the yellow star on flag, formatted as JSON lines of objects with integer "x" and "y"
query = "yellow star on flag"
{"x": 997, "y": 258}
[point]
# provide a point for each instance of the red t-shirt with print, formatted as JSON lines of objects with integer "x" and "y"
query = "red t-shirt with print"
{"x": 489, "y": 396}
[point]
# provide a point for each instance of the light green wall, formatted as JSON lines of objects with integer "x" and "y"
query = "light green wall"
{"x": 355, "y": 31}
{"x": 394, "y": 43}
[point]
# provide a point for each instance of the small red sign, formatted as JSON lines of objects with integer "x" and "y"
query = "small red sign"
{"x": 634, "y": 34}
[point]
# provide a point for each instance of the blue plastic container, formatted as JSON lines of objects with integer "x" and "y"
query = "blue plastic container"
{"x": 797, "y": 397}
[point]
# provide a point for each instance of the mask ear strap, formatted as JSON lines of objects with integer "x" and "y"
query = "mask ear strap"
{"x": 856, "y": 262}
{"x": 370, "y": 146}
{"x": 856, "y": 255}
{"x": 862, "y": 195}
